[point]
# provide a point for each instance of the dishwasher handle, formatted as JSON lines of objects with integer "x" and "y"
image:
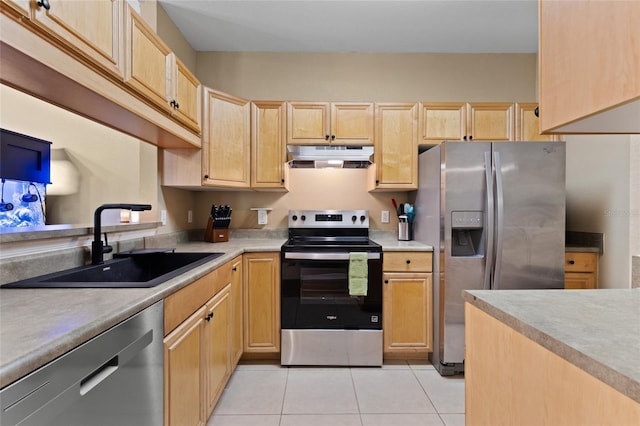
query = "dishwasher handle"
{"x": 94, "y": 379}
{"x": 108, "y": 368}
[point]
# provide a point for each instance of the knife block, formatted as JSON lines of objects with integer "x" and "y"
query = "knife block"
{"x": 215, "y": 235}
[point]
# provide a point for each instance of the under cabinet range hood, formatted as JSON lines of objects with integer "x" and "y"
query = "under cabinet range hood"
{"x": 320, "y": 156}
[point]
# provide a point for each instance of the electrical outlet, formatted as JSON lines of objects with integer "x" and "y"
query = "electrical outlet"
{"x": 189, "y": 216}
{"x": 163, "y": 217}
{"x": 384, "y": 217}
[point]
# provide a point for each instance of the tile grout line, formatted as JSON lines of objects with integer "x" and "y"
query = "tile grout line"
{"x": 355, "y": 392}
{"x": 284, "y": 395}
{"x": 428, "y": 397}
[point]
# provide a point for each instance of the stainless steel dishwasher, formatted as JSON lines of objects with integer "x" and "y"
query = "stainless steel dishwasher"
{"x": 116, "y": 378}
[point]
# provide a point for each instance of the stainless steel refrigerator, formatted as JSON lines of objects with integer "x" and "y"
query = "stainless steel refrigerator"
{"x": 495, "y": 214}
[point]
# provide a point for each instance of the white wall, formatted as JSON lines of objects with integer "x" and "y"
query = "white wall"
{"x": 599, "y": 193}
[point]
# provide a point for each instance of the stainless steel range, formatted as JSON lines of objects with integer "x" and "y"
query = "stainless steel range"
{"x": 324, "y": 321}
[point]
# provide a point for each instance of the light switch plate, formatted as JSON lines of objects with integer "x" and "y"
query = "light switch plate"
{"x": 384, "y": 217}
{"x": 163, "y": 217}
{"x": 189, "y": 216}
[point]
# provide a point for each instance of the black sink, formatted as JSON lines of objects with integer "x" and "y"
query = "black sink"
{"x": 127, "y": 270}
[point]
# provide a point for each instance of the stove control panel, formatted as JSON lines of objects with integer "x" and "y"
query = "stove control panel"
{"x": 328, "y": 219}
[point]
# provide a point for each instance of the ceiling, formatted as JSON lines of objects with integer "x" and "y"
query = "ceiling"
{"x": 419, "y": 26}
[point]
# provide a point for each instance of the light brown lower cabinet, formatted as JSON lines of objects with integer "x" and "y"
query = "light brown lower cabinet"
{"x": 217, "y": 350}
{"x": 261, "y": 305}
{"x": 237, "y": 311}
{"x": 580, "y": 270}
{"x": 183, "y": 366}
{"x": 198, "y": 347}
{"x": 407, "y": 305}
{"x": 512, "y": 380}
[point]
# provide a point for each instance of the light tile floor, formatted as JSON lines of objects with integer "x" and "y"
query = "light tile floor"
{"x": 401, "y": 393}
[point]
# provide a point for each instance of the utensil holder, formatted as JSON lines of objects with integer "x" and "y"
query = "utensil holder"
{"x": 405, "y": 231}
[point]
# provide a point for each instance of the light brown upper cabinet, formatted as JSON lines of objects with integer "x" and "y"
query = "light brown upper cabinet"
{"x": 490, "y": 121}
{"x": 226, "y": 143}
{"x": 441, "y": 121}
{"x": 339, "y": 123}
{"x": 528, "y": 124}
{"x": 91, "y": 29}
{"x": 396, "y": 147}
{"x": 73, "y": 54}
{"x": 268, "y": 149}
{"x": 589, "y": 66}
{"x": 155, "y": 72}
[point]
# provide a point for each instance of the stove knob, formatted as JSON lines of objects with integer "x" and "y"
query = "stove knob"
{"x": 362, "y": 218}
{"x": 294, "y": 217}
{"x": 354, "y": 218}
{"x": 303, "y": 217}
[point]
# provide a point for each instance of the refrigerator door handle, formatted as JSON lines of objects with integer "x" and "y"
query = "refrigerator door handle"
{"x": 488, "y": 261}
{"x": 499, "y": 221}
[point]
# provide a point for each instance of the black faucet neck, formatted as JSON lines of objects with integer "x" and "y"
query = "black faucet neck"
{"x": 97, "y": 248}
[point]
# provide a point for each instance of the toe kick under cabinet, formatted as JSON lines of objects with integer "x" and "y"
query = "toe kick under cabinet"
{"x": 407, "y": 304}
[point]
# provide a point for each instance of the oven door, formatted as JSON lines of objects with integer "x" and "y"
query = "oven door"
{"x": 315, "y": 292}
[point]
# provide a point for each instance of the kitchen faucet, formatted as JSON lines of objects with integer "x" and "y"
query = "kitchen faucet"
{"x": 97, "y": 248}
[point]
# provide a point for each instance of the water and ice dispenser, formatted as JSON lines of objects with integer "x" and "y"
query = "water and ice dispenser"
{"x": 467, "y": 233}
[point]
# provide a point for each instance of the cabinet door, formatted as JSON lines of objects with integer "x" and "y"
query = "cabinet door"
{"x": 491, "y": 121}
{"x": 226, "y": 141}
{"x": 187, "y": 97}
{"x": 528, "y": 124}
{"x": 406, "y": 314}
{"x": 217, "y": 347}
{"x": 579, "y": 280}
{"x": 396, "y": 146}
{"x": 237, "y": 311}
{"x": 20, "y": 7}
{"x": 352, "y": 123}
{"x": 268, "y": 149}
{"x": 308, "y": 123}
{"x": 262, "y": 303}
{"x": 442, "y": 121}
{"x": 183, "y": 366}
{"x": 148, "y": 61}
{"x": 92, "y": 28}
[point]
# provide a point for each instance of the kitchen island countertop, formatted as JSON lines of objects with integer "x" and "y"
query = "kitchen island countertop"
{"x": 596, "y": 330}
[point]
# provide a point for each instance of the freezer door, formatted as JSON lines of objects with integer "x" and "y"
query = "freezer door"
{"x": 463, "y": 210}
{"x": 530, "y": 215}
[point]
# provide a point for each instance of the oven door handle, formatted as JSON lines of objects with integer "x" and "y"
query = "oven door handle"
{"x": 325, "y": 256}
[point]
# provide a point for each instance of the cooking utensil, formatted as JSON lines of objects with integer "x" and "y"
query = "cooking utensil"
{"x": 395, "y": 205}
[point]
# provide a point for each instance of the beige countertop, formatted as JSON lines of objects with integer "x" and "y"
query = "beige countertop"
{"x": 596, "y": 330}
{"x": 38, "y": 325}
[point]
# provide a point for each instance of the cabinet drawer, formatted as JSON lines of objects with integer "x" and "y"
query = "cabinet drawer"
{"x": 580, "y": 262}
{"x": 407, "y": 261}
{"x": 179, "y": 305}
